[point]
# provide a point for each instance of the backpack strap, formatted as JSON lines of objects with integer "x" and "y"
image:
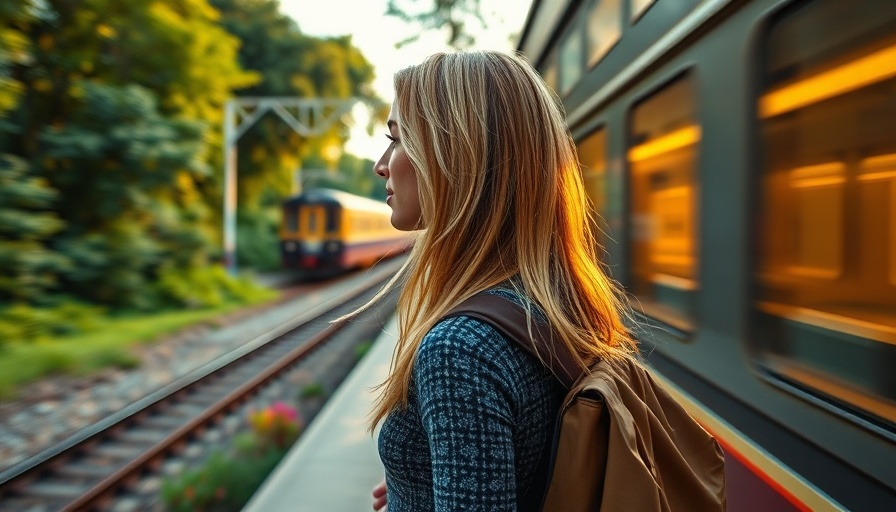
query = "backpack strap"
{"x": 509, "y": 318}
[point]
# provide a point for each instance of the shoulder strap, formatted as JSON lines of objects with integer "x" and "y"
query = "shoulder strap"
{"x": 510, "y": 319}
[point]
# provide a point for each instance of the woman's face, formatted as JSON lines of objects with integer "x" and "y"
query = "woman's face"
{"x": 401, "y": 179}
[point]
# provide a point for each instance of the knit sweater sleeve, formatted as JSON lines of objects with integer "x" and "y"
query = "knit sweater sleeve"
{"x": 463, "y": 381}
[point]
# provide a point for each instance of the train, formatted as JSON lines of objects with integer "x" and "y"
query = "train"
{"x": 324, "y": 232}
{"x": 740, "y": 159}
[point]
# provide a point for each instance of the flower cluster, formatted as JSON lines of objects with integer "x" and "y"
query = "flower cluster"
{"x": 278, "y": 424}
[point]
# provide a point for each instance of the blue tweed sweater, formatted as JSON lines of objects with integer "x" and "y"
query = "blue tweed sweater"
{"x": 478, "y": 423}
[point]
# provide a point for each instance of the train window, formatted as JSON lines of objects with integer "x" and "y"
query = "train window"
{"x": 663, "y": 195}
{"x": 291, "y": 218}
{"x": 604, "y": 28}
{"x": 313, "y": 221}
{"x": 826, "y": 267}
{"x": 571, "y": 58}
{"x": 593, "y": 157}
{"x": 332, "y": 214}
{"x": 638, "y": 7}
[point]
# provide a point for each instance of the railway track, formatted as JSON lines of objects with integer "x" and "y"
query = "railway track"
{"x": 90, "y": 470}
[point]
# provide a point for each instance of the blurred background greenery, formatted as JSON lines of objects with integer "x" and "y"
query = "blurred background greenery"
{"x": 111, "y": 160}
{"x": 111, "y": 167}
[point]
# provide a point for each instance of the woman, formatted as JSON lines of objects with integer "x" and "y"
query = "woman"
{"x": 481, "y": 162}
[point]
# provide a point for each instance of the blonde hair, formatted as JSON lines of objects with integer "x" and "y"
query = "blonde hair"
{"x": 501, "y": 195}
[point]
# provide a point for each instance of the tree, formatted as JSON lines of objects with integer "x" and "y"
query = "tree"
{"x": 455, "y": 15}
{"x": 290, "y": 64}
{"x": 113, "y": 113}
{"x": 116, "y": 164}
{"x": 27, "y": 268}
{"x": 14, "y": 49}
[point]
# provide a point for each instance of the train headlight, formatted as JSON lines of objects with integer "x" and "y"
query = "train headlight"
{"x": 289, "y": 247}
{"x": 332, "y": 246}
{"x": 312, "y": 247}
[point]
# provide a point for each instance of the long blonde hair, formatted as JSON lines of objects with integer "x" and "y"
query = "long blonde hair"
{"x": 501, "y": 195}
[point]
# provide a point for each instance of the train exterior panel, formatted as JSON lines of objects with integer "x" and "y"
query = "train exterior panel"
{"x": 324, "y": 230}
{"x": 741, "y": 155}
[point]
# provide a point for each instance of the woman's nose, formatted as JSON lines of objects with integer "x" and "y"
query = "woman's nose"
{"x": 380, "y": 169}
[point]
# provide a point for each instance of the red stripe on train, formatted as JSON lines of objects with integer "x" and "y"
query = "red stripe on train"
{"x": 756, "y": 471}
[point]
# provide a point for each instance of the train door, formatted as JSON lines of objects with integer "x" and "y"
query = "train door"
{"x": 312, "y": 226}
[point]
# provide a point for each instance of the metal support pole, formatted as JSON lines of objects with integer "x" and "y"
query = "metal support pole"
{"x": 230, "y": 189}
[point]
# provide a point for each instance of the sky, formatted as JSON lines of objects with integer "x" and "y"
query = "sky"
{"x": 376, "y": 34}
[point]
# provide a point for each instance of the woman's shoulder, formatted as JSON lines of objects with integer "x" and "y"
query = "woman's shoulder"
{"x": 460, "y": 333}
{"x": 464, "y": 333}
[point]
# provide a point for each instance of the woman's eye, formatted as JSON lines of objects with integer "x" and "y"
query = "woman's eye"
{"x": 391, "y": 138}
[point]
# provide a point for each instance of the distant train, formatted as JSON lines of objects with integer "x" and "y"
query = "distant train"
{"x": 325, "y": 231}
{"x": 742, "y": 156}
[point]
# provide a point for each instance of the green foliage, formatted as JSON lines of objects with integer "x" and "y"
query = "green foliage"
{"x": 27, "y": 267}
{"x": 197, "y": 287}
{"x": 118, "y": 155}
{"x": 223, "y": 483}
{"x": 113, "y": 266}
{"x": 24, "y": 323}
{"x": 312, "y": 390}
{"x": 257, "y": 233}
{"x": 115, "y": 164}
{"x": 226, "y": 480}
{"x": 14, "y": 50}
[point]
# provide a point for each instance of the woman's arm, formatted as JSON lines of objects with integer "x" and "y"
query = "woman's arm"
{"x": 465, "y": 404}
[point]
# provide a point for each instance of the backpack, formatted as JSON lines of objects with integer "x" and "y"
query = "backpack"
{"x": 621, "y": 441}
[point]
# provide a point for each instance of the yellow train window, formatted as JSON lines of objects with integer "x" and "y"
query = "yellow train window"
{"x": 312, "y": 220}
{"x": 663, "y": 193}
{"x": 826, "y": 304}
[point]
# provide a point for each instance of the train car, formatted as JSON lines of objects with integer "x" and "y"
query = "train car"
{"x": 741, "y": 155}
{"x": 324, "y": 231}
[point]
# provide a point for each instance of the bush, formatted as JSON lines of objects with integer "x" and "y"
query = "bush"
{"x": 259, "y": 246}
{"x": 312, "y": 390}
{"x": 197, "y": 287}
{"x": 223, "y": 483}
{"x": 25, "y": 323}
{"x": 227, "y": 480}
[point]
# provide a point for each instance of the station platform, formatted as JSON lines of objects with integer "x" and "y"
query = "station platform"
{"x": 334, "y": 465}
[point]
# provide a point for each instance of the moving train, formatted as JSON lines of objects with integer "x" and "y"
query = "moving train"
{"x": 325, "y": 231}
{"x": 741, "y": 155}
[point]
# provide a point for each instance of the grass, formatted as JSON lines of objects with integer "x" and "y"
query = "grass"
{"x": 108, "y": 345}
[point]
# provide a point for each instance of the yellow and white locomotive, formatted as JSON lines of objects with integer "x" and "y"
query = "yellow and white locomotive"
{"x": 330, "y": 230}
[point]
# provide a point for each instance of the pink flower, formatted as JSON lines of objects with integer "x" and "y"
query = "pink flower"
{"x": 284, "y": 411}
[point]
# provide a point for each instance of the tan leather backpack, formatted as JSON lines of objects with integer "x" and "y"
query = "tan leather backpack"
{"x": 621, "y": 441}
